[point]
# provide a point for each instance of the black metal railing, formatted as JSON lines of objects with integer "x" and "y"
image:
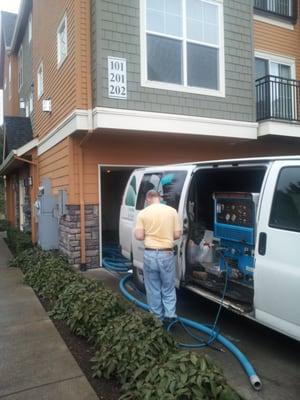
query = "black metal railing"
{"x": 286, "y": 9}
{"x": 277, "y": 98}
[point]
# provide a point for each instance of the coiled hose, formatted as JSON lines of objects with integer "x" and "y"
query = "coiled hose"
{"x": 114, "y": 261}
{"x": 254, "y": 379}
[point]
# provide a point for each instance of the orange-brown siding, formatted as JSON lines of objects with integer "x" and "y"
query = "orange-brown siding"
{"x": 10, "y": 93}
{"x": 278, "y": 40}
{"x": 54, "y": 165}
{"x": 133, "y": 150}
{"x": 66, "y": 86}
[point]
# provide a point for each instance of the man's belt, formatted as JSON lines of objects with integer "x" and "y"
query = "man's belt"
{"x": 149, "y": 249}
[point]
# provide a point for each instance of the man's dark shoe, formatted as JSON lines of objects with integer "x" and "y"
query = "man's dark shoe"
{"x": 168, "y": 321}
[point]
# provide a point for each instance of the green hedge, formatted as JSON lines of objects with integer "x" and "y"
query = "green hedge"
{"x": 130, "y": 345}
{"x": 17, "y": 241}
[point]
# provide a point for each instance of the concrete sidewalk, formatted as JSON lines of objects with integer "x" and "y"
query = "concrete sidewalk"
{"x": 35, "y": 363}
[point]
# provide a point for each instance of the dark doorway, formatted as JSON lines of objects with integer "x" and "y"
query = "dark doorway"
{"x": 113, "y": 182}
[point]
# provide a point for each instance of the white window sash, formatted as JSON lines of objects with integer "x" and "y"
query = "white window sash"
{"x": 40, "y": 80}
{"x": 184, "y": 87}
{"x": 62, "y": 50}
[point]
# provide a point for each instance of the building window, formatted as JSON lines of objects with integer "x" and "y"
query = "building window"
{"x": 183, "y": 45}
{"x": 20, "y": 66}
{"x": 31, "y": 103}
{"x": 285, "y": 213}
{"x": 62, "y": 41}
{"x": 40, "y": 80}
{"x": 30, "y": 28}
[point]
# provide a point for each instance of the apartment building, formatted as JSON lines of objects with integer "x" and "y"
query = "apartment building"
{"x": 117, "y": 85}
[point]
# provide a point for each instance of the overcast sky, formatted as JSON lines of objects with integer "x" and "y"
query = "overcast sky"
{"x": 11, "y": 6}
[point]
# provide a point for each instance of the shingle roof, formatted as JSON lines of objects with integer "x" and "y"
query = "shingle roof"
{"x": 18, "y": 131}
{"x": 9, "y": 22}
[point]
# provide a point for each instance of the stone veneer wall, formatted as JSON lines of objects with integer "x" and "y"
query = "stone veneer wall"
{"x": 69, "y": 235}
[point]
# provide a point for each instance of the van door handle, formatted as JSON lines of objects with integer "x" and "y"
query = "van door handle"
{"x": 262, "y": 243}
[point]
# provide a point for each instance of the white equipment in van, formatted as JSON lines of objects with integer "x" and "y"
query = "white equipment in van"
{"x": 239, "y": 217}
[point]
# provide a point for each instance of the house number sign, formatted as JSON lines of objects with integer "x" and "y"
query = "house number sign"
{"x": 117, "y": 78}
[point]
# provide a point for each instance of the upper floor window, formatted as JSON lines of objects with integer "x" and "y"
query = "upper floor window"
{"x": 62, "y": 41}
{"x": 183, "y": 45}
{"x": 281, "y": 8}
{"x": 20, "y": 66}
{"x": 31, "y": 102}
{"x": 30, "y": 28}
{"x": 40, "y": 80}
{"x": 9, "y": 80}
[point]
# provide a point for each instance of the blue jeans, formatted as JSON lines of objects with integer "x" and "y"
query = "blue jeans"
{"x": 159, "y": 278}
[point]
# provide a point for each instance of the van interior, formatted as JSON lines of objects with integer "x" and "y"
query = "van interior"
{"x": 113, "y": 181}
{"x": 221, "y": 211}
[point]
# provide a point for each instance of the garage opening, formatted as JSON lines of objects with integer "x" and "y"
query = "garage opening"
{"x": 113, "y": 180}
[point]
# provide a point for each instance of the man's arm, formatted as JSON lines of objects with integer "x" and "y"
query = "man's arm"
{"x": 177, "y": 227}
{"x": 139, "y": 232}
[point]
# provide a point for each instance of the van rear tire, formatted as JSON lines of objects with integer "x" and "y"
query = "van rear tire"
{"x": 138, "y": 279}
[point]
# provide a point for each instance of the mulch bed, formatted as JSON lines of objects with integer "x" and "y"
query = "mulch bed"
{"x": 83, "y": 352}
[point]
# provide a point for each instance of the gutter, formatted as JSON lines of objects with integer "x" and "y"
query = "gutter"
{"x": 17, "y": 155}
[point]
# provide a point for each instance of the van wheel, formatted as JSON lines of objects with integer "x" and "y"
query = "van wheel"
{"x": 138, "y": 279}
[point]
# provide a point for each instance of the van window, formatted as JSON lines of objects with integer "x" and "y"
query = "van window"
{"x": 131, "y": 193}
{"x": 169, "y": 184}
{"x": 285, "y": 213}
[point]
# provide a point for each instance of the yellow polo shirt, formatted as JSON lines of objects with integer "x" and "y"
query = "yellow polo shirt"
{"x": 159, "y": 223}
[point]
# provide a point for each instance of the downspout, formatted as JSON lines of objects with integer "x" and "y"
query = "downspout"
{"x": 90, "y": 130}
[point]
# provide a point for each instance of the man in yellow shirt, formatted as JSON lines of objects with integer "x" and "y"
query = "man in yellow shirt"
{"x": 158, "y": 226}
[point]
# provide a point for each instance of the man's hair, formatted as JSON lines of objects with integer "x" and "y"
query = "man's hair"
{"x": 153, "y": 194}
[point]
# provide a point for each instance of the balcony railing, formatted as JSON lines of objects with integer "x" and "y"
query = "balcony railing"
{"x": 277, "y": 98}
{"x": 286, "y": 9}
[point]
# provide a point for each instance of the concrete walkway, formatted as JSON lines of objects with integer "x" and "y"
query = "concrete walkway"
{"x": 35, "y": 363}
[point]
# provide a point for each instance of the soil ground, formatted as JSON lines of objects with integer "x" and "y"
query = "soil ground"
{"x": 83, "y": 352}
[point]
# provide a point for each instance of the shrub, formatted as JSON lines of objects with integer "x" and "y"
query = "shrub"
{"x": 129, "y": 342}
{"x": 4, "y": 225}
{"x": 18, "y": 241}
{"x": 131, "y": 345}
{"x": 183, "y": 375}
{"x": 86, "y": 310}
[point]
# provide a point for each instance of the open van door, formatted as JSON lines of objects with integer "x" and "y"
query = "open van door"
{"x": 277, "y": 267}
{"x": 172, "y": 182}
{"x": 127, "y": 212}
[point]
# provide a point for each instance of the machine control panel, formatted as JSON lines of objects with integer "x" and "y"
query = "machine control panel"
{"x": 235, "y": 211}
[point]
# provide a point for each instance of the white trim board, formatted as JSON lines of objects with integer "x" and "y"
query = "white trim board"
{"x": 273, "y": 21}
{"x": 124, "y": 120}
{"x": 118, "y": 119}
{"x": 77, "y": 120}
{"x": 278, "y": 128}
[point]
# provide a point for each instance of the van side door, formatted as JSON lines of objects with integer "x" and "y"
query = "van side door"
{"x": 127, "y": 212}
{"x": 171, "y": 182}
{"x": 277, "y": 269}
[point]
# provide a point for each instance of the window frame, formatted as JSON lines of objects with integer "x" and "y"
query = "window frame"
{"x": 30, "y": 28}
{"x": 60, "y": 59}
{"x": 270, "y": 224}
{"x": 269, "y": 57}
{"x": 184, "y": 87}
{"x": 20, "y": 68}
{"x": 40, "y": 81}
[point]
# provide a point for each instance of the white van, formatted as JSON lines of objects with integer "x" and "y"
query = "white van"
{"x": 241, "y": 219}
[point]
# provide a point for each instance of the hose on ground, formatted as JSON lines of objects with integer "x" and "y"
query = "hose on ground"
{"x": 254, "y": 379}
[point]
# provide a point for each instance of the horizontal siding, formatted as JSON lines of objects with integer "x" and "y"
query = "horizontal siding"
{"x": 54, "y": 165}
{"x": 279, "y": 41}
{"x": 66, "y": 86}
{"x": 132, "y": 149}
{"x": 11, "y": 106}
{"x": 116, "y": 32}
